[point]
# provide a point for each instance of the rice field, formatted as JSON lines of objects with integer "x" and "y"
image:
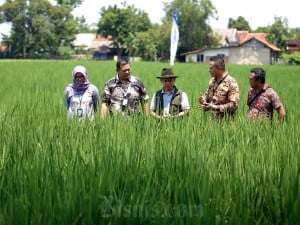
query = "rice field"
{"x": 137, "y": 170}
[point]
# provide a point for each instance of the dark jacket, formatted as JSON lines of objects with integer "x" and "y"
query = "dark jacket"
{"x": 175, "y": 104}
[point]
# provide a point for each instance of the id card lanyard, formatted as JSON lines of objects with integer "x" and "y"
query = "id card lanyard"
{"x": 125, "y": 97}
{"x": 80, "y": 110}
{"x": 218, "y": 84}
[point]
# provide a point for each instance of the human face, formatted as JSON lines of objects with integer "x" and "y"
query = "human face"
{"x": 252, "y": 81}
{"x": 168, "y": 84}
{"x": 212, "y": 69}
{"x": 124, "y": 72}
{"x": 79, "y": 77}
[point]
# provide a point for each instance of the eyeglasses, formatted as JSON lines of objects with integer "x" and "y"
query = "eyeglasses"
{"x": 126, "y": 70}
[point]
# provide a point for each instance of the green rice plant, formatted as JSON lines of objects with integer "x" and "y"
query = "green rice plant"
{"x": 137, "y": 170}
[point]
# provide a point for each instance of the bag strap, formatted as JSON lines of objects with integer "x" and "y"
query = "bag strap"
{"x": 256, "y": 96}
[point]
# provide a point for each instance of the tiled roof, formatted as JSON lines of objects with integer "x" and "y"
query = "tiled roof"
{"x": 295, "y": 42}
{"x": 234, "y": 38}
{"x": 91, "y": 41}
{"x": 293, "y": 45}
{"x": 3, "y": 48}
{"x": 245, "y": 36}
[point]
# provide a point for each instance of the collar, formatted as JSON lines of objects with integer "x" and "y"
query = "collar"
{"x": 119, "y": 81}
{"x": 224, "y": 75}
{"x": 265, "y": 87}
{"x": 171, "y": 92}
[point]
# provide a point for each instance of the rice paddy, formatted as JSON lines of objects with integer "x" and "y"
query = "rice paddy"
{"x": 137, "y": 170}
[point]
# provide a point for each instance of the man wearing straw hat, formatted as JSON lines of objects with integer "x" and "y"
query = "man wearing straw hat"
{"x": 169, "y": 101}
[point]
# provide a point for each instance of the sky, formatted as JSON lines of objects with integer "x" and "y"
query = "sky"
{"x": 256, "y": 12}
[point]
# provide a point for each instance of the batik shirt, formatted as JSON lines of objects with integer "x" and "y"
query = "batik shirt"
{"x": 263, "y": 103}
{"x": 82, "y": 104}
{"x": 225, "y": 94}
{"x": 124, "y": 97}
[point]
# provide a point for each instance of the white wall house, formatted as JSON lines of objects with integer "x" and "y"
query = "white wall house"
{"x": 238, "y": 47}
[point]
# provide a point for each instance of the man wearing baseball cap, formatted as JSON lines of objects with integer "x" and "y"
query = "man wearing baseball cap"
{"x": 169, "y": 101}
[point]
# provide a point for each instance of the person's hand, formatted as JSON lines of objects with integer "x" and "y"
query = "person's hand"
{"x": 202, "y": 99}
{"x": 208, "y": 106}
{"x": 166, "y": 116}
{"x": 153, "y": 114}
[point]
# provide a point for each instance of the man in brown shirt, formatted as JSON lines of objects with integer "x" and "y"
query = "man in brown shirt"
{"x": 222, "y": 95}
{"x": 124, "y": 93}
{"x": 262, "y": 99}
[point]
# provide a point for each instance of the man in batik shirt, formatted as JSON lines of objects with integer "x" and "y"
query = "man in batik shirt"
{"x": 262, "y": 99}
{"x": 124, "y": 94}
{"x": 222, "y": 95}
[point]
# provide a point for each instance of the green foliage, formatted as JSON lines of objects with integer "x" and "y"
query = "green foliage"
{"x": 122, "y": 24}
{"x": 69, "y": 3}
{"x": 83, "y": 27}
{"x": 65, "y": 51}
{"x": 145, "y": 44}
{"x": 277, "y": 33}
{"x": 153, "y": 44}
{"x": 292, "y": 59}
{"x": 137, "y": 170}
{"x": 194, "y": 30}
{"x": 294, "y": 33}
{"x": 240, "y": 24}
{"x": 131, "y": 29}
{"x": 38, "y": 27}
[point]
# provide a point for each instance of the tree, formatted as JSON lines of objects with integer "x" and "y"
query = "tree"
{"x": 145, "y": 44}
{"x": 152, "y": 44}
{"x": 294, "y": 33}
{"x": 38, "y": 27}
{"x": 240, "y": 24}
{"x": 194, "y": 30}
{"x": 122, "y": 24}
{"x": 278, "y": 32}
{"x": 83, "y": 27}
{"x": 292, "y": 59}
{"x": 69, "y": 3}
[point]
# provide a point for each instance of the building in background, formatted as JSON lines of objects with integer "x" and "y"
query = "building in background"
{"x": 100, "y": 47}
{"x": 238, "y": 47}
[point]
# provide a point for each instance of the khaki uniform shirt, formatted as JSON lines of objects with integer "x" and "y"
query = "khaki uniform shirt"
{"x": 225, "y": 94}
{"x": 124, "y": 97}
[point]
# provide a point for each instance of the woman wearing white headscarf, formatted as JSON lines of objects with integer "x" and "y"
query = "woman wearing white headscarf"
{"x": 81, "y": 97}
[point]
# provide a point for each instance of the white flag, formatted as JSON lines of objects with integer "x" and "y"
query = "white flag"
{"x": 174, "y": 38}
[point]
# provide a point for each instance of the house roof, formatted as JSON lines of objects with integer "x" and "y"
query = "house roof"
{"x": 3, "y": 48}
{"x": 99, "y": 42}
{"x": 245, "y": 36}
{"x": 295, "y": 42}
{"x": 234, "y": 38}
{"x": 293, "y": 45}
{"x": 84, "y": 39}
{"x": 91, "y": 41}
